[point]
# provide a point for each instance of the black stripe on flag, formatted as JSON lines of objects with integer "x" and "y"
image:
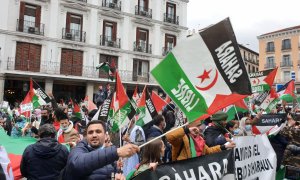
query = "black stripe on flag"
{"x": 40, "y": 91}
{"x": 222, "y": 44}
{"x": 150, "y": 105}
{"x": 103, "y": 114}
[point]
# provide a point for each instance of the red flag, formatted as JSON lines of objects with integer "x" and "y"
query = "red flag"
{"x": 90, "y": 105}
{"x": 270, "y": 78}
{"x": 168, "y": 99}
{"x": 26, "y": 106}
{"x": 241, "y": 103}
{"x": 158, "y": 102}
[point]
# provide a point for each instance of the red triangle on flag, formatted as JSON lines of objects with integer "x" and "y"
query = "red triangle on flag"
{"x": 121, "y": 95}
{"x": 158, "y": 102}
{"x": 241, "y": 103}
{"x": 28, "y": 99}
{"x": 270, "y": 78}
{"x": 142, "y": 102}
{"x": 290, "y": 88}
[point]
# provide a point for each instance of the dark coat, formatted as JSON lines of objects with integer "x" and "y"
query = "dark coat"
{"x": 214, "y": 136}
{"x": 87, "y": 163}
{"x": 44, "y": 159}
{"x": 153, "y": 132}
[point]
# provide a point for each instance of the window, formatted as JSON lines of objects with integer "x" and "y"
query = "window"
{"x": 109, "y": 30}
{"x": 29, "y": 18}
{"x": 74, "y": 26}
{"x": 286, "y": 60}
{"x": 28, "y": 57}
{"x": 140, "y": 70}
{"x": 270, "y": 47}
{"x": 71, "y": 62}
{"x": 286, "y": 75}
{"x": 171, "y": 10}
{"x": 112, "y": 61}
{"x": 286, "y": 44}
{"x": 270, "y": 60}
{"x": 142, "y": 37}
{"x": 143, "y": 5}
{"x": 170, "y": 41}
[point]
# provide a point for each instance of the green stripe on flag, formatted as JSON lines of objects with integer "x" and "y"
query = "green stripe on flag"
{"x": 141, "y": 115}
{"x": 174, "y": 81}
{"x": 118, "y": 119}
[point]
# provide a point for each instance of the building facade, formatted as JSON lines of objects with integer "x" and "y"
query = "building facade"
{"x": 59, "y": 43}
{"x": 281, "y": 49}
{"x": 250, "y": 58}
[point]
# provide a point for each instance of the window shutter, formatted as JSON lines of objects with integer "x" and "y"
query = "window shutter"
{"x": 174, "y": 12}
{"x": 21, "y": 16}
{"x": 68, "y": 21}
{"x": 38, "y": 16}
{"x": 114, "y": 31}
{"x": 134, "y": 72}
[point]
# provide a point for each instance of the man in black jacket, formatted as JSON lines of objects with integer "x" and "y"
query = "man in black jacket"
{"x": 46, "y": 158}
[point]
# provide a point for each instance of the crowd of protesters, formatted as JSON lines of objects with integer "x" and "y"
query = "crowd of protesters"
{"x": 92, "y": 155}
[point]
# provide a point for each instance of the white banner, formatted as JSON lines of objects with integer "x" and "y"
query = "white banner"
{"x": 255, "y": 158}
{"x": 26, "y": 107}
{"x": 6, "y": 169}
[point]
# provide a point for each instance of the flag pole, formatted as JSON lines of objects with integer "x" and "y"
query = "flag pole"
{"x": 236, "y": 113}
{"x": 162, "y": 135}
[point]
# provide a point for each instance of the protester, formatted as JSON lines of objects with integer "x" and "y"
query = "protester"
{"x": 214, "y": 133}
{"x": 135, "y": 135}
{"x": 46, "y": 117}
{"x": 66, "y": 132}
{"x": 18, "y": 125}
{"x": 46, "y": 158}
{"x": 182, "y": 138}
{"x": 100, "y": 96}
{"x": 151, "y": 157}
{"x": 91, "y": 160}
{"x": 158, "y": 127}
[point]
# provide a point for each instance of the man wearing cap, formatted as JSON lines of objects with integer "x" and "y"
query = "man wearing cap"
{"x": 214, "y": 133}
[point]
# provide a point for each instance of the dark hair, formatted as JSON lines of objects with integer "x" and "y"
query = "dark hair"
{"x": 170, "y": 120}
{"x": 229, "y": 124}
{"x": 96, "y": 122}
{"x": 47, "y": 109}
{"x": 151, "y": 152}
{"x": 158, "y": 119}
{"x": 47, "y": 130}
{"x": 60, "y": 114}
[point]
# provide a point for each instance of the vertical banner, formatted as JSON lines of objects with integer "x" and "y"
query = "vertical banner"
{"x": 255, "y": 158}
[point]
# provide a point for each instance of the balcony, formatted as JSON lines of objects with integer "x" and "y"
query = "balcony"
{"x": 30, "y": 27}
{"x": 286, "y": 47}
{"x": 170, "y": 18}
{"x": 142, "y": 46}
{"x": 270, "y": 65}
{"x": 112, "y": 4}
{"x": 270, "y": 49}
{"x": 107, "y": 41}
{"x": 73, "y": 35}
{"x": 146, "y": 12}
{"x": 84, "y": 1}
{"x": 286, "y": 64}
{"x": 166, "y": 50}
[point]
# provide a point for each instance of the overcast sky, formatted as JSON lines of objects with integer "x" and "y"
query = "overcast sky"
{"x": 249, "y": 19}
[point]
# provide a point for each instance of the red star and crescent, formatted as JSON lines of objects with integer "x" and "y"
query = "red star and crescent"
{"x": 204, "y": 76}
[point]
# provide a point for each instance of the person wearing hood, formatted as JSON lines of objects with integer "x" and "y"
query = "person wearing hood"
{"x": 214, "y": 133}
{"x": 66, "y": 132}
{"x": 46, "y": 158}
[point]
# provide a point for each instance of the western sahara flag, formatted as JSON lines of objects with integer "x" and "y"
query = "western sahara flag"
{"x": 270, "y": 124}
{"x": 207, "y": 72}
{"x": 262, "y": 80}
{"x": 146, "y": 109}
{"x": 237, "y": 107}
{"x": 41, "y": 97}
{"x": 121, "y": 110}
{"x": 214, "y": 166}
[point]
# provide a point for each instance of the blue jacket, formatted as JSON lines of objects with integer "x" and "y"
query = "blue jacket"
{"x": 85, "y": 162}
{"x": 44, "y": 160}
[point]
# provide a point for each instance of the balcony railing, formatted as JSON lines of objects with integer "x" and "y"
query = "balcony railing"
{"x": 55, "y": 68}
{"x": 270, "y": 49}
{"x": 112, "y": 4}
{"x": 82, "y": 1}
{"x": 142, "y": 46}
{"x": 109, "y": 42}
{"x": 30, "y": 27}
{"x": 286, "y": 64}
{"x": 70, "y": 69}
{"x": 166, "y": 50}
{"x": 270, "y": 65}
{"x": 142, "y": 11}
{"x": 73, "y": 35}
{"x": 170, "y": 18}
{"x": 286, "y": 47}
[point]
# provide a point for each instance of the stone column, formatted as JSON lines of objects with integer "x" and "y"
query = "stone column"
{"x": 2, "y": 81}
{"x": 49, "y": 85}
{"x": 89, "y": 90}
